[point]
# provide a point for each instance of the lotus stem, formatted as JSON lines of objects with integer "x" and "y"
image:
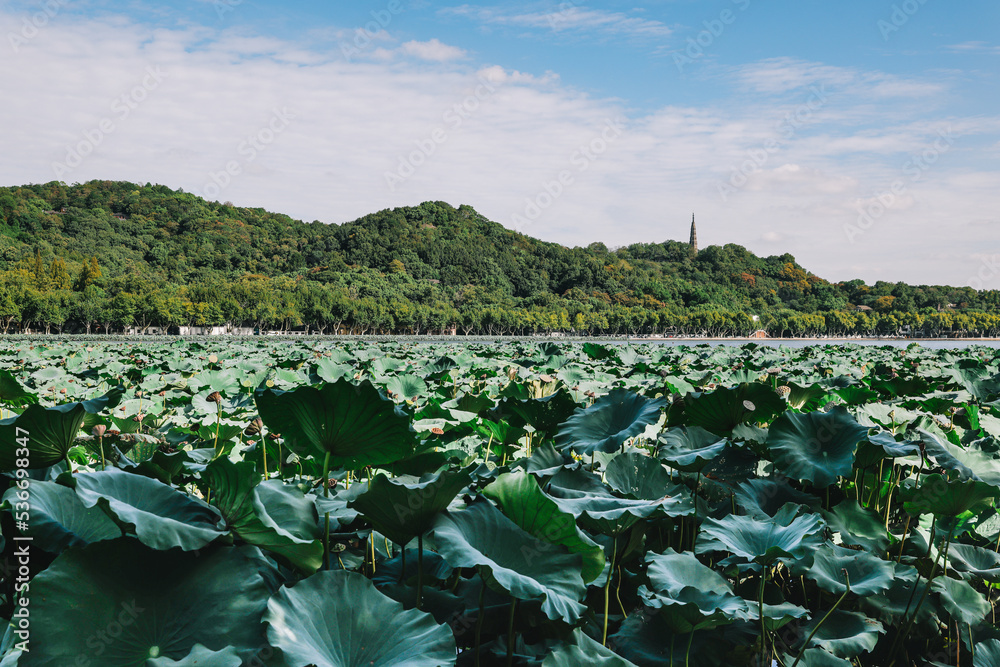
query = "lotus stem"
{"x": 687, "y": 654}
{"x": 906, "y": 532}
{"x": 218, "y": 418}
{"x": 900, "y": 638}
{"x": 618, "y": 589}
{"x": 510, "y": 632}
{"x": 822, "y": 621}
{"x": 607, "y": 588}
{"x": 100, "y": 446}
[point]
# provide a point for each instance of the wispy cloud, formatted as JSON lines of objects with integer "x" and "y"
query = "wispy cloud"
{"x": 975, "y": 47}
{"x": 568, "y": 18}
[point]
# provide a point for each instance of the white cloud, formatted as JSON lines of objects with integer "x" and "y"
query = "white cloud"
{"x": 566, "y": 18}
{"x": 433, "y": 50}
{"x": 313, "y": 135}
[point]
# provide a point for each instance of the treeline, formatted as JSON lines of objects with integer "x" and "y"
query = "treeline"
{"x": 112, "y": 256}
{"x": 50, "y": 298}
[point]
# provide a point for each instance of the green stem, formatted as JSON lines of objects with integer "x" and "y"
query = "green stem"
{"x": 687, "y": 655}
{"x": 930, "y": 580}
{"x": 814, "y": 630}
{"x": 607, "y": 588}
{"x": 218, "y": 418}
{"x": 510, "y": 632}
{"x": 100, "y": 445}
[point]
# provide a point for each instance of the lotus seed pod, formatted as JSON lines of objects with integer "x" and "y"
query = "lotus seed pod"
{"x": 99, "y": 430}
{"x": 215, "y": 397}
{"x": 784, "y": 391}
{"x": 255, "y": 427}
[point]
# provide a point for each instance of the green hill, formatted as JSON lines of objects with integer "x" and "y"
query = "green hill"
{"x": 117, "y": 255}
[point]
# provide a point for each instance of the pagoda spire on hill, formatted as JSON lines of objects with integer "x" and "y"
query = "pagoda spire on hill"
{"x": 694, "y": 236}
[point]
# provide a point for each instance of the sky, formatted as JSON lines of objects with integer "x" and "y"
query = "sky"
{"x": 860, "y": 136}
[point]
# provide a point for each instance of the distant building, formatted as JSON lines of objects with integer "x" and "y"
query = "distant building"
{"x": 759, "y": 333}
{"x": 694, "y": 237}
{"x": 863, "y": 309}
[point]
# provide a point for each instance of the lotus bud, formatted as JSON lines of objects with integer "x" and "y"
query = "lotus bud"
{"x": 273, "y": 436}
{"x": 99, "y": 430}
{"x": 215, "y": 397}
{"x": 62, "y": 391}
{"x": 437, "y": 430}
{"x": 547, "y": 378}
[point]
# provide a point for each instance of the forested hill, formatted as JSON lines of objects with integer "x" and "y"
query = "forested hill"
{"x": 120, "y": 254}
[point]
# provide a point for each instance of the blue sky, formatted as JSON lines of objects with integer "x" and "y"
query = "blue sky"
{"x": 863, "y": 137}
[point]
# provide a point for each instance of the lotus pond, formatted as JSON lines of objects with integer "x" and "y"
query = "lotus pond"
{"x": 295, "y": 503}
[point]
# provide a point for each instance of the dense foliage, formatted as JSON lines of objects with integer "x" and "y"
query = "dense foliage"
{"x": 109, "y": 256}
{"x": 312, "y": 503}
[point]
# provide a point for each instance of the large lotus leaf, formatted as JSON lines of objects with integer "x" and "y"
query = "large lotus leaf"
{"x": 722, "y": 410}
{"x": 582, "y": 650}
{"x": 963, "y": 603}
{"x": 969, "y": 560}
{"x": 858, "y": 526}
{"x": 835, "y": 567}
{"x": 815, "y": 447}
{"x": 407, "y": 387}
{"x": 689, "y": 449}
{"x": 693, "y": 591}
{"x": 402, "y": 511}
{"x": 12, "y": 393}
{"x": 160, "y": 516}
{"x": 118, "y": 603}
{"x": 355, "y": 424}
{"x": 947, "y": 498}
{"x": 638, "y": 476}
{"x": 969, "y": 463}
{"x": 202, "y": 657}
{"x": 786, "y": 536}
{"x": 809, "y": 398}
{"x": 581, "y": 494}
{"x": 339, "y": 619}
{"x": 609, "y": 422}
{"x": 776, "y": 616}
{"x": 764, "y": 497}
{"x": 234, "y": 487}
{"x": 286, "y": 507}
{"x": 845, "y": 634}
{"x": 523, "y": 502}
{"x": 48, "y": 433}
{"x": 57, "y": 519}
{"x": 987, "y": 654}
{"x": 513, "y": 560}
